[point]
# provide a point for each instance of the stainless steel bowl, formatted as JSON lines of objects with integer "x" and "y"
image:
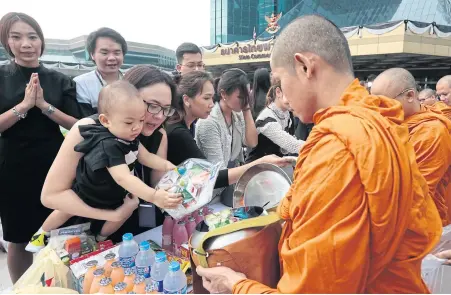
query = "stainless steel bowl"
{"x": 262, "y": 185}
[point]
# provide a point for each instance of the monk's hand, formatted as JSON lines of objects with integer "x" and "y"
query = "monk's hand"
{"x": 445, "y": 255}
{"x": 275, "y": 160}
{"x": 219, "y": 280}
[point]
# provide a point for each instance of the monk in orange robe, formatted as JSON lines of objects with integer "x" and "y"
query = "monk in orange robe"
{"x": 358, "y": 217}
{"x": 427, "y": 96}
{"x": 443, "y": 89}
{"x": 429, "y": 134}
{"x": 442, "y": 108}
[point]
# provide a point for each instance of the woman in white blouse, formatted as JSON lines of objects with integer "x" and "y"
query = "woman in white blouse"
{"x": 275, "y": 128}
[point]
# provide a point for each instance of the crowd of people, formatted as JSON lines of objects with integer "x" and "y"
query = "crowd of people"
{"x": 370, "y": 193}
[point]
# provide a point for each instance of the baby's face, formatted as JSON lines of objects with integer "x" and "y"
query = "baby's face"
{"x": 126, "y": 119}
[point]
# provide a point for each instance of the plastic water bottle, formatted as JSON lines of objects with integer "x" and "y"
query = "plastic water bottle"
{"x": 127, "y": 251}
{"x": 159, "y": 271}
{"x": 144, "y": 261}
{"x": 175, "y": 280}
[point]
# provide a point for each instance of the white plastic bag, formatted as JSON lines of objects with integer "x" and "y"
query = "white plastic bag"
{"x": 195, "y": 180}
{"x": 433, "y": 270}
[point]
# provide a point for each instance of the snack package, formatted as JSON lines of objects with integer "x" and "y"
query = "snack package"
{"x": 195, "y": 180}
{"x": 226, "y": 216}
{"x": 79, "y": 268}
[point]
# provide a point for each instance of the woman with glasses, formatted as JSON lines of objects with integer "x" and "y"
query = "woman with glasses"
{"x": 195, "y": 101}
{"x": 157, "y": 90}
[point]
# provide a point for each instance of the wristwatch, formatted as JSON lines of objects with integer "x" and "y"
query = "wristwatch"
{"x": 50, "y": 110}
{"x": 18, "y": 114}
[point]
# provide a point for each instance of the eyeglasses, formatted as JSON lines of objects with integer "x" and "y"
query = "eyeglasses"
{"x": 155, "y": 109}
{"x": 404, "y": 91}
{"x": 192, "y": 65}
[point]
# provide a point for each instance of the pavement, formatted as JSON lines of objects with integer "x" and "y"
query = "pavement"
{"x": 5, "y": 281}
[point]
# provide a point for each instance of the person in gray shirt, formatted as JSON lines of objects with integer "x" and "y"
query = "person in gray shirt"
{"x": 106, "y": 48}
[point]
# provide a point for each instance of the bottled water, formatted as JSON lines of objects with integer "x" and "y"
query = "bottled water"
{"x": 159, "y": 271}
{"x": 127, "y": 251}
{"x": 175, "y": 280}
{"x": 144, "y": 261}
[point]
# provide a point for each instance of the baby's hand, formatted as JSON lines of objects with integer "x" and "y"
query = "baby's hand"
{"x": 170, "y": 166}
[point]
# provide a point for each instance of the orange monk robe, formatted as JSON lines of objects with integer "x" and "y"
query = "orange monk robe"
{"x": 442, "y": 107}
{"x": 358, "y": 215}
{"x": 430, "y": 136}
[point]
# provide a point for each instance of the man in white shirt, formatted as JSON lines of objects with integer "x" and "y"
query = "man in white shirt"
{"x": 189, "y": 58}
{"x": 106, "y": 48}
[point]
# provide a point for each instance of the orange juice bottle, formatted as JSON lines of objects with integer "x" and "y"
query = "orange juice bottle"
{"x": 140, "y": 285}
{"x": 109, "y": 259}
{"x": 89, "y": 275}
{"x": 117, "y": 273}
{"x": 129, "y": 278}
{"x": 105, "y": 286}
{"x": 119, "y": 288}
{"x": 98, "y": 275}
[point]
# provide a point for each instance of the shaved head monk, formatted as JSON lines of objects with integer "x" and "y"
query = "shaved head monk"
{"x": 443, "y": 89}
{"x": 429, "y": 134}
{"x": 358, "y": 215}
{"x": 427, "y": 96}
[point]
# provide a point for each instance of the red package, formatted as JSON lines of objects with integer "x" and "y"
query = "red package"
{"x": 102, "y": 246}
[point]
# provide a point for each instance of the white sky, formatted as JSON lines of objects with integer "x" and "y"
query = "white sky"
{"x": 166, "y": 23}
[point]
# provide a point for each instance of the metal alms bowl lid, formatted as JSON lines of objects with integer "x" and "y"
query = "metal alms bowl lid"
{"x": 262, "y": 185}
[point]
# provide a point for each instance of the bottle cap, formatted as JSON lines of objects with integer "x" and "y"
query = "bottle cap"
{"x": 105, "y": 282}
{"x": 181, "y": 170}
{"x": 129, "y": 271}
{"x": 127, "y": 237}
{"x": 120, "y": 286}
{"x": 174, "y": 266}
{"x": 110, "y": 256}
{"x": 148, "y": 288}
{"x": 115, "y": 264}
{"x": 181, "y": 222}
{"x": 144, "y": 246}
{"x": 139, "y": 280}
{"x": 92, "y": 263}
{"x": 160, "y": 257}
{"x": 99, "y": 272}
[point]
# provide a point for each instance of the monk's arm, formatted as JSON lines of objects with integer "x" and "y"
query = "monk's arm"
{"x": 328, "y": 249}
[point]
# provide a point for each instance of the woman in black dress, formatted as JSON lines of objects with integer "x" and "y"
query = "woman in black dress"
{"x": 34, "y": 102}
{"x": 157, "y": 90}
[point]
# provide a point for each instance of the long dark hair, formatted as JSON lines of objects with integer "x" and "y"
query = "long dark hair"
{"x": 232, "y": 80}
{"x": 190, "y": 84}
{"x": 262, "y": 84}
{"x": 142, "y": 76}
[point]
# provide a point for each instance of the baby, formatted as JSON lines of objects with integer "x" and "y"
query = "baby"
{"x": 105, "y": 173}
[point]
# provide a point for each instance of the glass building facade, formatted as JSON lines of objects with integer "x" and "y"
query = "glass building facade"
{"x": 234, "y": 20}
